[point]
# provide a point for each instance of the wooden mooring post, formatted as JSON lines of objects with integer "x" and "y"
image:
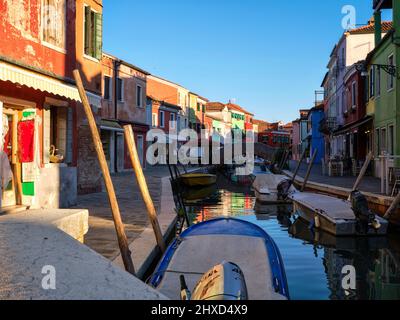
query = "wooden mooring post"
{"x": 119, "y": 226}
{"x": 362, "y": 173}
{"x": 309, "y": 171}
{"x": 141, "y": 180}
{"x": 296, "y": 172}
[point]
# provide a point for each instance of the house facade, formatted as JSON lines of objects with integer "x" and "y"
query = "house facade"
{"x": 124, "y": 102}
{"x": 384, "y": 84}
{"x": 317, "y": 143}
{"x": 353, "y": 46}
{"x": 45, "y": 134}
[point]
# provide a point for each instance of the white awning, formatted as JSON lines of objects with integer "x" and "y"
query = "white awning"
{"x": 43, "y": 83}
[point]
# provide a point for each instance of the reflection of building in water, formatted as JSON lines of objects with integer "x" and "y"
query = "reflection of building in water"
{"x": 334, "y": 263}
{"x": 385, "y": 278}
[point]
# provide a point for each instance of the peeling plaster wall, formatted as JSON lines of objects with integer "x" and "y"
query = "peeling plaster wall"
{"x": 128, "y": 110}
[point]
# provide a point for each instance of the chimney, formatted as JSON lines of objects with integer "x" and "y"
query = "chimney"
{"x": 377, "y": 21}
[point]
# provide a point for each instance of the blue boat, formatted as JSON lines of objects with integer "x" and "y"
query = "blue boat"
{"x": 222, "y": 259}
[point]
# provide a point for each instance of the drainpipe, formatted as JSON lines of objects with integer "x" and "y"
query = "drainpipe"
{"x": 378, "y": 27}
{"x": 117, "y": 63}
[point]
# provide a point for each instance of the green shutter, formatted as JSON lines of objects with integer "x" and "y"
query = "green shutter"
{"x": 87, "y": 29}
{"x": 98, "y": 37}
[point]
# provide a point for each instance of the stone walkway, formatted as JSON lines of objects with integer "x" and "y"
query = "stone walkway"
{"x": 102, "y": 236}
{"x": 368, "y": 184}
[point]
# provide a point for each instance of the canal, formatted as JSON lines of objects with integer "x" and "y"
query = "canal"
{"x": 313, "y": 261}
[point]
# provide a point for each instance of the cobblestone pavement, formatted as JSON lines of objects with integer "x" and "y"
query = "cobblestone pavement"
{"x": 368, "y": 184}
{"x": 102, "y": 236}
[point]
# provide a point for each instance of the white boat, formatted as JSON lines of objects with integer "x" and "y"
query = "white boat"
{"x": 338, "y": 217}
{"x": 265, "y": 187}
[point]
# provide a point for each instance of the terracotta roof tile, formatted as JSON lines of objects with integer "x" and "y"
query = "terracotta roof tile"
{"x": 370, "y": 28}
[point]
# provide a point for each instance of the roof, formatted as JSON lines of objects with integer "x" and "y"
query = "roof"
{"x": 370, "y": 28}
{"x": 238, "y": 108}
{"x": 130, "y": 65}
{"x": 164, "y": 103}
{"x": 215, "y": 106}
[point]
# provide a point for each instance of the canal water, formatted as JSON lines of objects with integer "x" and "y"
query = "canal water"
{"x": 313, "y": 262}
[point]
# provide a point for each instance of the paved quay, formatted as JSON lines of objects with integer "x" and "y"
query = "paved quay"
{"x": 368, "y": 184}
{"x": 101, "y": 236}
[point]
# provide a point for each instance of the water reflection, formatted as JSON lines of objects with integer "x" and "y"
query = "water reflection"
{"x": 313, "y": 260}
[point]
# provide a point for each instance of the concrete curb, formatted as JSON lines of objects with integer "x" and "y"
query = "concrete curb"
{"x": 144, "y": 249}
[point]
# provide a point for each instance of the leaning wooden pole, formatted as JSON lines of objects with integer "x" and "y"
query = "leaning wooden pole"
{"x": 296, "y": 172}
{"x": 119, "y": 226}
{"x": 151, "y": 210}
{"x": 309, "y": 171}
{"x": 393, "y": 207}
{"x": 362, "y": 173}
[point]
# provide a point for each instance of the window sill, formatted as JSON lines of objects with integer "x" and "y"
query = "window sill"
{"x": 91, "y": 58}
{"x": 53, "y": 47}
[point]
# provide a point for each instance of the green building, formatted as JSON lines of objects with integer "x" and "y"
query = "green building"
{"x": 383, "y": 93}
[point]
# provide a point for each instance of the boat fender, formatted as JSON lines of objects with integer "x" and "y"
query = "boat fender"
{"x": 317, "y": 222}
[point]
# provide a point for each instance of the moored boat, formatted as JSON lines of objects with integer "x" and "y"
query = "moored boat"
{"x": 336, "y": 216}
{"x": 238, "y": 259}
{"x": 198, "y": 179}
{"x": 266, "y": 188}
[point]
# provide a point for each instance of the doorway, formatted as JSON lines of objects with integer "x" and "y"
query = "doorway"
{"x": 11, "y": 195}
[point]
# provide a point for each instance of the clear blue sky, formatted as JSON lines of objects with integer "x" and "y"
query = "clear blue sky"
{"x": 268, "y": 55}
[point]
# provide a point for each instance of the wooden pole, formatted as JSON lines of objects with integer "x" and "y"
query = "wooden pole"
{"x": 151, "y": 210}
{"x": 299, "y": 165}
{"x": 309, "y": 171}
{"x": 393, "y": 207}
{"x": 285, "y": 158}
{"x": 362, "y": 172}
{"x": 119, "y": 226}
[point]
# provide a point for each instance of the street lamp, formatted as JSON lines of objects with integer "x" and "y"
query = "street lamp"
{"x": 390, "y": 69}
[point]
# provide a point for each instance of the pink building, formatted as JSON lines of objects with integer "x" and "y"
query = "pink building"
{"x": 296, "y": 144}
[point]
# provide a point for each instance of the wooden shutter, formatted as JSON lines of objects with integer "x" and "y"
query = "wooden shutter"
{"x": 87, "y": 30}
{"x": 98, "y": 36}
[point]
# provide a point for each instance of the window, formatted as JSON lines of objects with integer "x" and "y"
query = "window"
{"x": 203, "y": 109}
{"x": 378, "y": 82}
{"x": 172, "y": 121}
{"x": 54, "y": 22}
{"x": 354, "y": 94}
{"x": 391, "y": 140}
{"x": 390, "y": 77}
{"x": 154, "y": 120}
{"x": 139, "y": 94}
{"x": 93, "y": 24}
{"x": 107, "y": 88}
{"x": 162, "y": 124}
{"x": 372, "y": 82}
{"x": 198, "y": 107}
{"x": 120, "y": 91}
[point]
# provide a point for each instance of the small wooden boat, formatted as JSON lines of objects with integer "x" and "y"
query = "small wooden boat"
{"x": 198, "y": 179}
{"x": 336, "y": 216}
{"x": 224, "y": 250}
{"x": 266, "y": 188}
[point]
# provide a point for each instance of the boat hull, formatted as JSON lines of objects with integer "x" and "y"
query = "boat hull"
{"x": 207, "y": 244}
{"x": 319, "y": 219}
{"x": 198, "y": 180}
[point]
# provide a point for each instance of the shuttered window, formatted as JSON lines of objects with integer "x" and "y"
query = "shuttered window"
{"x": 93, "y": 33}
{"x": 54, "y": 22}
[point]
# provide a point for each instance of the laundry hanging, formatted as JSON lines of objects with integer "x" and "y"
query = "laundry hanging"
{"x": 26, "y": 141}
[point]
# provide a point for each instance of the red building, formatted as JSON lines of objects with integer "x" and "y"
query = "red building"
{"x": 275, "y": 139}
{"x": 358, "y": 125}
{"x": 40, "y": 46}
